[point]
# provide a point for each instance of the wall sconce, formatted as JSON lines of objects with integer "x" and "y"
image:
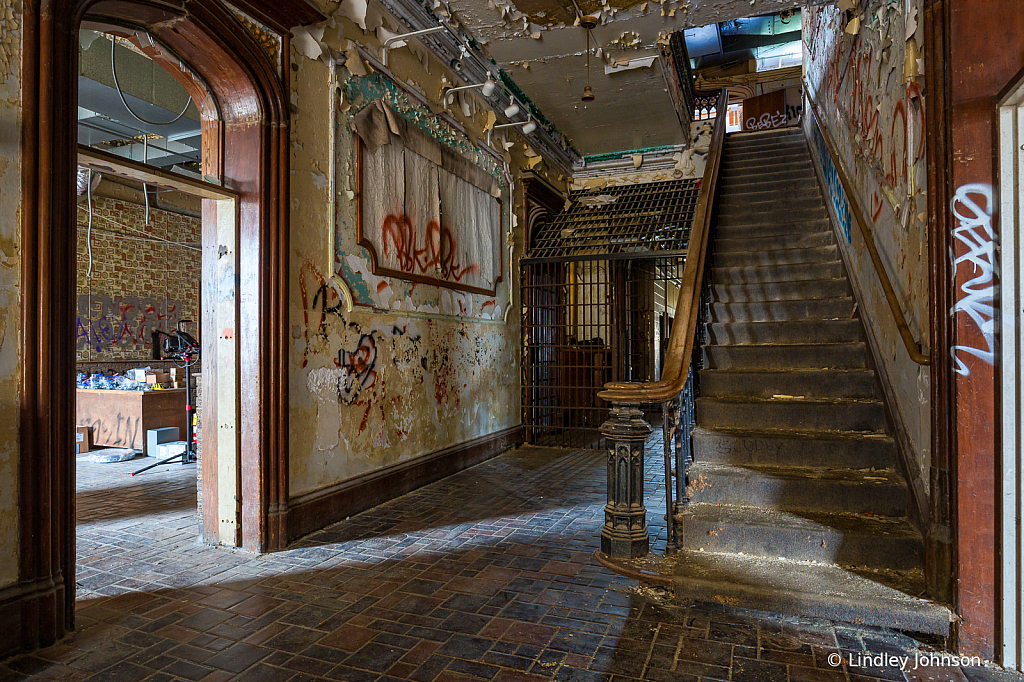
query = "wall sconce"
{"x": 486, "y": 89}
{"x": 394, "y": 39}
{"x": 529, "y": 125}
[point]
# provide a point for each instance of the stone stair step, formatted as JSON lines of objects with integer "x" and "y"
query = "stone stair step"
{"x": 861, "y": 416}
{"x": 755, "y": 217}
{"x": 840, "y": 538}
{"x": 811, "y": 590}
{"x": 804, "y": 240}
{"x": 789, "y": 227}
{"x": 755, "y": 140}
{"x": 878, "y": 492}
{"x": 742, "y": 169}
{"x": 821, "y": 254}
{"x": 781, "y": 291}
{"x": 830, "y": 384}
{"x": 806, "y": 182}
{"x": 741, "y": 447}
{"x": 783, "y": 152}
{"x": 783, "y": 311}
{"x": 797, "y": 332}
{"x": 737, "y": 201}
{"x": 772, "y": 207}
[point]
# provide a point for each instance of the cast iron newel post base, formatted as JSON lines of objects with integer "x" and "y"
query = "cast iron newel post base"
{"x": 624, "y": 535}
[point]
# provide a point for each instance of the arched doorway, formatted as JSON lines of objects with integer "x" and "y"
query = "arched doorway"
{"x": 242, "y": 56}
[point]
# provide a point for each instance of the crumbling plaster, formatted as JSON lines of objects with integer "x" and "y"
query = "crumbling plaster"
{"x": 864, "y": 68}
{"x": 10, "y": 289}
{"x": 383, "y": 370}
{"x": 538, "y": 42}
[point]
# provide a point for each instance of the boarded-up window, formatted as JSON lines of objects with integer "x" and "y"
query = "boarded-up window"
{"x": 428, "y": 215}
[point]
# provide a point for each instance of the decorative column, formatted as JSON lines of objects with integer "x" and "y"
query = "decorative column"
{"x": 624, "y": 535}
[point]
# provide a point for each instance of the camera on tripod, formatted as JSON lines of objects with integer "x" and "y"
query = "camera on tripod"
{"x": 176, "y": 345}
{"x": 183, "y": 348}
{"x": 179, "y": 344}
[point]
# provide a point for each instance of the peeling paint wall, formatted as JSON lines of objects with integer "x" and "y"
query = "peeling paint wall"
{"x": 863, "y": 67}
{"x": 10, "y": 273}
{"x": 385, "y": 370}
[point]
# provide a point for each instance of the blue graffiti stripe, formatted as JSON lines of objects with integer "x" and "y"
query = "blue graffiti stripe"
{"x": 835, "y": 185}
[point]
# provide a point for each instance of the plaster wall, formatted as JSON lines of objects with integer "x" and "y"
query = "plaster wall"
{"x": 384, "y": 370}
{"x": 10, "y": 289}
{"x": 862, "y": 67}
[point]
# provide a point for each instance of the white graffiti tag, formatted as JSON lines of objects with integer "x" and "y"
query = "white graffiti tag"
{"x": 972, "y": 208}
{"x": 767, "y": 121}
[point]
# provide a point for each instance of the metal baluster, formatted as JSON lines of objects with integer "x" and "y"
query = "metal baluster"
{"x": 669, "y": 428}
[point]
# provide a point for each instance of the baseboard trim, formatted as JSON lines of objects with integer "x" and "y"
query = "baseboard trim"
{"x": 320, "y": 508}
{"x": 920, "y": 511}
{"x": 32, "y": 610}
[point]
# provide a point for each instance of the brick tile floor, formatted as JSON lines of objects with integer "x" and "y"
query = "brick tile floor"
{"x": 486, "y": 575}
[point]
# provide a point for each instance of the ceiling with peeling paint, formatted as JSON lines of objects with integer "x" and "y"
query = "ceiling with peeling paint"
{"x": 541, "y": 48}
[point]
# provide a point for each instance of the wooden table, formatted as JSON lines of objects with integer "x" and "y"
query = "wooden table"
{"x": 120, "y": 419}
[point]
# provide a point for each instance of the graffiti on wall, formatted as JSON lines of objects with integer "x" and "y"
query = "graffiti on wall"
{"x": 106, "y": 322}
{"x": 862, "y": 82}
{"x": 438, "y": 252}
{"x": 836, "y": 194}
{"x": 972, "y": 213}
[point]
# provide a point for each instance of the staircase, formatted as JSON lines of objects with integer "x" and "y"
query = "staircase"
{"x": 796, "y": 504}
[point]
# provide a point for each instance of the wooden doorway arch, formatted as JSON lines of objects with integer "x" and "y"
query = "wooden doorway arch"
{"x": 230, "y": 49}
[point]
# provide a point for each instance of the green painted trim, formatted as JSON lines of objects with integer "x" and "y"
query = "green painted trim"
{"x": 616, "y": 155}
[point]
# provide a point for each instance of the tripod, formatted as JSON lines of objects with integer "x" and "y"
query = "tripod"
{"x": 190, "y": 356}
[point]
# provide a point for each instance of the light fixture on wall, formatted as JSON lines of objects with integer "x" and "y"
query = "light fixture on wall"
{"x": 402, "y": 38}
{"x": 529, "y": 125}
{"x": 588, "y": 22}
{"x": 512, "y": 109}
{"x": 486, "y": 89}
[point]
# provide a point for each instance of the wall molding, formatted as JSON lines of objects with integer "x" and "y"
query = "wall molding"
{"x": 320, "y": 508}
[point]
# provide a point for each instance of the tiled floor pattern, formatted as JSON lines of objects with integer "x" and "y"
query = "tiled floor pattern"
{"x": 486, "y": 575}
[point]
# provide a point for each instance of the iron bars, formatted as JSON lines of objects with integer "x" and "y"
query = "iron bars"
{"x": 639, "y": 221}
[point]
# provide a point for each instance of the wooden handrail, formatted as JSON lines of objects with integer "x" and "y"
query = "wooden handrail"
{"x": 912, "y": 346}
{"x": 677, "y": 357}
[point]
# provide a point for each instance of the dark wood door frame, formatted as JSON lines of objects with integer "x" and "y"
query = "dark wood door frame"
{"x": 252, "y": 93}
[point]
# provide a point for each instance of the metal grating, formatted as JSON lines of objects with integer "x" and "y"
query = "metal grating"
{"x": 648, "y": 220}
{"x": 586, "y": 323}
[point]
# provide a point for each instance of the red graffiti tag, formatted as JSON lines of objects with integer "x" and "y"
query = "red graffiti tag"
{"x": 437, "y": 253}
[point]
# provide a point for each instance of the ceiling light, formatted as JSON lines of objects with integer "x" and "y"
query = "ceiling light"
{"x": 512, "y": 109}
{"x": 486, "y": 88}
{"x": 528, "y": 126}
{"x": 588, "y": 22}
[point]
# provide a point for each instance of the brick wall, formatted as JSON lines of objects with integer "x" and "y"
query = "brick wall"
{"x": 139, "y": 281}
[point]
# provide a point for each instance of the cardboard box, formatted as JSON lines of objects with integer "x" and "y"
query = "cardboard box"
{"x": 157, "y": 378}
{"x": 82, "y": 439}
{"x": 171, "y": 449}
{"x": 157, "y": 437}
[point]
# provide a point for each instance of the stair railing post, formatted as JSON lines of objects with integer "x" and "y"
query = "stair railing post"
{"x": 624, "y": 535}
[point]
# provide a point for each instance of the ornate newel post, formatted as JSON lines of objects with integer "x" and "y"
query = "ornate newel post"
{"x": 624, "y": 535}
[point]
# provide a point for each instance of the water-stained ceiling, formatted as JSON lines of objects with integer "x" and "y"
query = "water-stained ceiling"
{"x": 540, "y": 46}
